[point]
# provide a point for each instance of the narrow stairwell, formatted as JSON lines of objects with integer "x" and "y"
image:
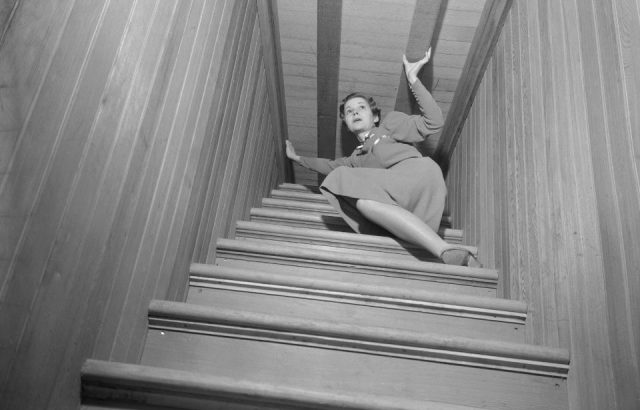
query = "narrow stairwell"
{"x": 298, "y": 313}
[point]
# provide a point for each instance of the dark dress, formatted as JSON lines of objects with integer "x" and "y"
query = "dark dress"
{"x": 387, "y": 168}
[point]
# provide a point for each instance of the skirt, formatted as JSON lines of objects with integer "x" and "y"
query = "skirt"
{"x": 415, "y": 184}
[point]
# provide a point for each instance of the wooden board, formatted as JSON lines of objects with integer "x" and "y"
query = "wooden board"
{"x": 556, "y": 127}
{"x": 130, "y": 112}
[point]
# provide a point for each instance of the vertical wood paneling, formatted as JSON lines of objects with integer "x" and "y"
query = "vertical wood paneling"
{"x": 329, "y": 26}
{"x": 298, "y": 35}
{"x": 617, "y": 203}
{"x": 145, "y": 129}
{"x": 129, "y": 227}
{"x": 627, "y": 15}
{"x": 54, "y": 145}
{"x": 556, "y": 108}
{"x": 237, "y": 144}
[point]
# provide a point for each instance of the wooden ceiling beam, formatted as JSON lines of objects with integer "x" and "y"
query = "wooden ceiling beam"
{"x": 426, "y": 23}
{"x": 484, "y": 41}
{"x": 328, "y": 43}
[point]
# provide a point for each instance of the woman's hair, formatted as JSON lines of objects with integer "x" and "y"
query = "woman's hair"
{"x": 372, "y": 104}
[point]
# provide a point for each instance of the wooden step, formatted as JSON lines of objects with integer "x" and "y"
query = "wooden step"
{"x": 357, "y": 304}
{"x": 334, "y": 240}
{"x": 327, "y": 222}
{"x": 299, "y": 206}
{"x": 350, "y": 359}
{"x": 312, "y": 261}
{"x": 309, "y": 196}
{"x": 287, "y": 186}
{"x": 302, "y": 196}
{"x": 129, "y": 386}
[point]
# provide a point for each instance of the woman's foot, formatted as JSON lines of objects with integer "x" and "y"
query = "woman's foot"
{"x": 460, "y": 256}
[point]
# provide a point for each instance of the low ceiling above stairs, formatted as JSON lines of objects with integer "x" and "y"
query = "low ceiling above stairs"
{"x": 331, "y": 48}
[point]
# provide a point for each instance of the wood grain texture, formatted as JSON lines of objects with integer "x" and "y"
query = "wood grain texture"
{"x": 373, "y": 37}
{"x": 553, "y": 117}
{"x": 328, "y": 74}
{"x": 298, "y": 38}
{"x": 7, "y": 10}
{"x": 133, "y": 131}
{"x": 484, "y": 41}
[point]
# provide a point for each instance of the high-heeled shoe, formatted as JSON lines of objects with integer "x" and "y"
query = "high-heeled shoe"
{"x": 457, "y": 255}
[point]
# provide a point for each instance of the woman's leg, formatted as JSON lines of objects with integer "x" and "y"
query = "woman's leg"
{"x": 412, "y": 229}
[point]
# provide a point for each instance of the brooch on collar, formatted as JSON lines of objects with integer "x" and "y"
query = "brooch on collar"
{"x": 371, "y": 135}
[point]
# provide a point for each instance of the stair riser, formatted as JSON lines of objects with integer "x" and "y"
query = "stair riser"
{"x": 328, "y": 307}
{"x": 310, "y": 269}
{"x": 342, "y": 371}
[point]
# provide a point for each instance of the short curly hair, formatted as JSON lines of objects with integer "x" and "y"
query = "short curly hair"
{"x": 372, "y": 104}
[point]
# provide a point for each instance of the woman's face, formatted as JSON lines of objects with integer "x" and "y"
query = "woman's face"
{"x": 358, "y": 115}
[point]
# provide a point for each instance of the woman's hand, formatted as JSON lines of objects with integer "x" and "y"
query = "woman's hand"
{"x": 291, "y": 152}
{"x": 412, "y": 69}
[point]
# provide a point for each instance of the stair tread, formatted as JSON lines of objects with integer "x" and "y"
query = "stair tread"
{"x": 303, "y": 251}
{"x": 307, "y": 196}
{"x": 288, "y": 186}
{"x": 517, "y": 357}
{"x": 347, "y": 240}
{"x": 298, "y": 205}
{"x": 326, "y": 221}
{"x": 518, "y": 308}
{"x": 314, "y": 261}
{"x": 190, "y": 390}
{"x": 317, "y": 216}
{"x": 299, "y": 195}
{"x": 357, "y": 303}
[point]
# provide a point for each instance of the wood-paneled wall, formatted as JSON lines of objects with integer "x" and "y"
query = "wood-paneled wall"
{"x": 545, "y": 180}
{"x": 298, "y": 37}
{"x": 143, "y": 130}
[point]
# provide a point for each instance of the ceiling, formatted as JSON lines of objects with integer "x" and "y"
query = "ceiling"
{"x": 331, "y": 48}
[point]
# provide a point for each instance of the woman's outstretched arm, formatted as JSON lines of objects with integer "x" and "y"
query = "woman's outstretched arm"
{"x": 431, "y": 120}
{"x": 321, "y": 165}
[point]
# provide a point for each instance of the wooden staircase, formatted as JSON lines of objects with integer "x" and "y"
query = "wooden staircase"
{"x": 298, "y": 313}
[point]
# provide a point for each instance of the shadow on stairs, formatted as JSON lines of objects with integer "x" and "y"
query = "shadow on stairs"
{"x": 297, "y": 313}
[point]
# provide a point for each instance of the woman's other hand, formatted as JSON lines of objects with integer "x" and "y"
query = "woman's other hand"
{"x": 412, "y": 69}
{"x": 291, "y": 152}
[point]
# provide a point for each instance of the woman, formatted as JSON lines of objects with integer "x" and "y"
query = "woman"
{"x": 386, "y": 182}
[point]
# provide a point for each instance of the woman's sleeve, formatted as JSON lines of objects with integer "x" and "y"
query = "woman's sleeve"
{"x": 431, "y": 120}
{"x": 323, "y": 165}
{"x": 415, "y": 128}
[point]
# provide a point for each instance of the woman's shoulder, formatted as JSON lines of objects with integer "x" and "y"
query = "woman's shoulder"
{"x": 393, "y": 119}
